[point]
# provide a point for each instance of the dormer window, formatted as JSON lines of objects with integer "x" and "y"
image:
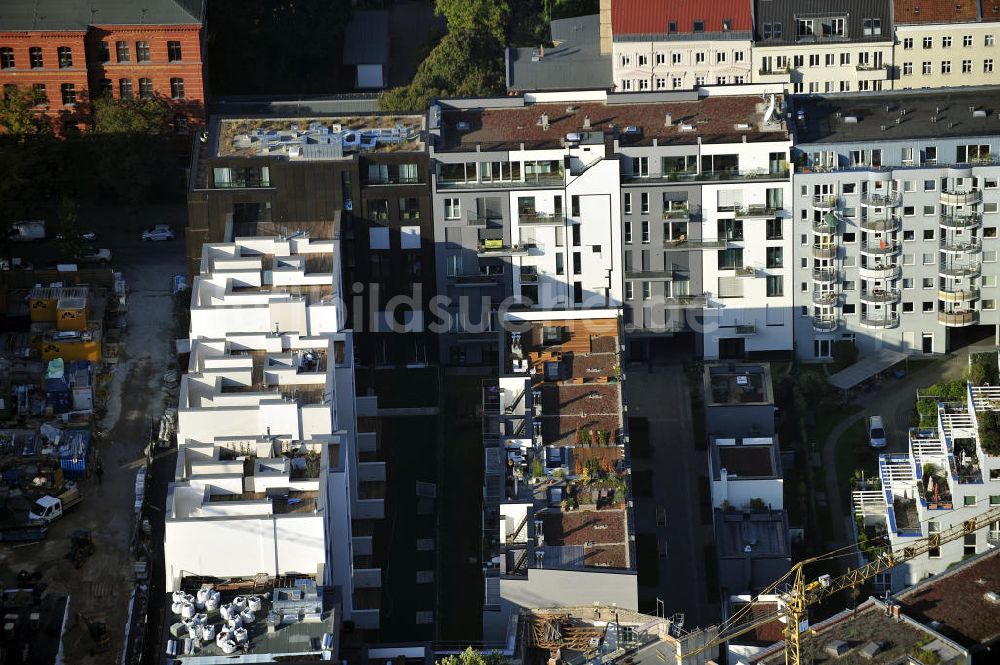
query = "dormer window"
{"x": 805, "y": 27}
{"x": 699, "y": 26}
{"x": 727, "y": 25}
{"x": 672, "y": 27}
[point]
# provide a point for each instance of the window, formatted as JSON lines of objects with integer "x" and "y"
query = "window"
{"x": 672, "y": 27}
{"x": 908, "y": 43}
{"x": 6, "y": 58}
{"x": 35, "y": 58}
{"x": 805, "y": 27}
{"x": 946, "y": 66}
{"x": 627, "y": 205}
{"x": 39, "y": 94}
{"x": 629, "y": 292}
{"x": 946, "y": 42}
{"x": 988, "y": 66}
{"x": 574, "y": 202}
{"x": 122, "y": 52}
{"x": 661, "y": 58}
{"x": 927, "y": 283}
{"x": 577, "y": 263}
{"x": 926, "y": 68}
{"x": 930, "y": 210}
{"x": 103, "y": 52}
{"x": 730, "y": 259}
{"x": 775, "y": 286}
{"x": 409, "y": 208}
{"x": 65, "y": 55}
{"x": 872, "y": 26}
{"x": 720, "y": 57}
{"x": 68, "y": 93}
{"x": 988, "y": 40}
{"x": 176, "y": 88}
{"x": 739, "y": 56}
{"x": 930, "y": 155}
{"x": 931, "y": 185}
{"x": 773, "y": 229}
{"x": 145, "y": 88}
{"x": 969, "y": 500}
{"x": 907, "y": 69}
{"x": 645, "y": 232}
{"x": 699, "y": 57}
{"x": 814, "y": 59}
{"x": 934, "y": 526}
{"x": 928, "y": 42}
{"x": 907, "y": 282}
{"x": 174, "y": 52}
{"x": 774, "y": 257}
{"x": 675, "y": 58}
{"x": 676, "y": 82}
{"x": 907, "y": 306}
{"x": 452, "y": 209}
{"x": 967, "y": 41}
{"x": 643, "y": 60}
{"x": 966, "y": 66}
{"x": 644, "y": 203}
{"x": 104, "y": 87}
{"x": 848, "y": 308}
{"x": 928, "y": 306}
{"x": 142, "y": 52}
{"x": 628, "y": 232}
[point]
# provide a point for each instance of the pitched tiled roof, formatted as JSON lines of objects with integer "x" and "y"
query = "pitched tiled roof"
{"x": 991, "y": 10}
{"x": 643, "y": 17}
{"x": 78, "y": 14}
{"x": 935, "y": 11}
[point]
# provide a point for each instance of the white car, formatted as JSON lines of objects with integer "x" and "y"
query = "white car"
{"x": 876, "y": 432}
{"x": 158, "y": 232}
{"x": 101, "y": 256}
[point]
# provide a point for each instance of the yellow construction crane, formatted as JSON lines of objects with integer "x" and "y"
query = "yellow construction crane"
{"x": 800, "y": 594}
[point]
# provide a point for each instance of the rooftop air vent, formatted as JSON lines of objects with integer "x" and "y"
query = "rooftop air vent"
{"x": 686, "y": 127}
{"x": 463, "y": 126}
{"x": 979, "y": 113}
{"x": 633, "y": 130}
{"x": 851, "y": 119}
{"x": 743, "y": 126}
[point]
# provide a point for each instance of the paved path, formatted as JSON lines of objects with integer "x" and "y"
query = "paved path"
{"x": 895, "y": 403}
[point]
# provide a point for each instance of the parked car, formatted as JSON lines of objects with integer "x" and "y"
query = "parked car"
{"x": 51, "y": 508}
{"x": 16, "y": 263}
{"x": 876, "y": 432}
{"x": 88, "y": 236}
{"x": 158, "y": 232}
{"x": 30, "y": 231}
{"x": 102, "y": 256}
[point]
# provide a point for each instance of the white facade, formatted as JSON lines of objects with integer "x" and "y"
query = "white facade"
{"x": 825, "y": 68}
{"x": 737, "y": 488}
{"x": 946, "y": 55}
{"x": 269, "y": 456}
{"x": 642, "y": 66}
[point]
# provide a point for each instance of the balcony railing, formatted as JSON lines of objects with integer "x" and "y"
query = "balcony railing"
{"x": 501, "y": 249}
{"x": 475, "y": 219}
{"x": 892, "y": 223}
{"x": 746, "y": 329}
{"x": 960, "y": 295}
{"x": 676, "y": 213}
{"x": 823, "y": 228}
{"x": 692, "y": 300}
{"x": 746, "y": 271}
{"x": 529, "y": 182}
{"x": 756, "y": 211}
{"x": 874, "y": 200}
{"x": 529, "y": 275}
{"x": 875, "y": 72}
{"x": 879, "y": 271}
{"x": 477, "y": 279}
{"x": 825, "y": 275}
{"x": 888, "y": 320}
{"x": 825, "y": 323}
{"x": 958, "y": 319}
{"x": 950, "y": 269}
{"x": 953, "y": 198}
{"x": 890, "y": 248}
{"x": 960, "y": 221}
{"x": 880, "y": 296}
{"x": 541, "y": 218}
{"x": 825, "y": 298}
{"x": 707, "y": 176}
{"x": 825, "y": 202}
{"x": 695, "y": 243}
{"x": 960, "y": 245}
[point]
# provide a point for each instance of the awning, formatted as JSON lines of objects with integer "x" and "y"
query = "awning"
{"x": 866, "y": 368}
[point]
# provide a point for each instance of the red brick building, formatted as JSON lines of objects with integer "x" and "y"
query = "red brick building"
{"x": 66, "y": 52}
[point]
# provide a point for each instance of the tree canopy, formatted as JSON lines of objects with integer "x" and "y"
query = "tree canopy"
{"x": 473, "y": 657}
{"x": 18, "y": 116}
{"x": 130, "y": 116}
{"x": 479, "y": 17}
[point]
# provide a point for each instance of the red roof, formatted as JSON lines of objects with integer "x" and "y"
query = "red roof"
{"x": 645, "y": 17}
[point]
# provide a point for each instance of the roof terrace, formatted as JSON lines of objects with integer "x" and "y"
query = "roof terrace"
{"x": 747, "y": 458}
{"x": 732, "y": 383}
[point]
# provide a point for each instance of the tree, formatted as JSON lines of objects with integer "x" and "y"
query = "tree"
{"x": 478, "y": 17}
{"x": 130, "y": 116}
{"x": 472, "y": 657}
{"x": 19, "y": 117}
{"x": 69, "y": 244}
{"x": 461, "y": 65}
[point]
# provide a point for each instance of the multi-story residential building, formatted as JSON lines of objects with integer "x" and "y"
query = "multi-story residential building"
{"x": 277, "y": 465}
{"x": 362, "y": 179}
{"x": 675, "y": 45}
{"x": 706, "y": 236}
{"x": 64, "y": 54}
{"x": 823, "y": 47}
{"x": 611, "y": 200}
{"x": 557, "y": 524}
{"x": 526, "y": 212}
{"x": 895, "y": 220}
{"x": 949, "y": 474}
{"x": 944, "y": 44}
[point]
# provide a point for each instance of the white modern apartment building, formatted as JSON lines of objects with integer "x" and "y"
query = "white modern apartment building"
{"x": 896, "y": 215}
{"x": 945, "y": 44}
{"x": 273, "y": 475}
{"x": 671, "y": 46}
{"x": 945, "y": 480}
{"x": 823, "y": 46}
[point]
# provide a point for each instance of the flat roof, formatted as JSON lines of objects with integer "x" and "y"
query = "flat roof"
{"x": 574, "y": 62}
{"x": 866, "y": 368}
{"x": 593, "y": 538}
{"x": 738, "y": 383}
{"x": 842, "y": 638}
{"x": 765, "y": 532}
{"x": 913, "y": 108}
{"x": 723, "y": 119}
{"x": 366, "y": 37}
{"x": 956, "y": 599}
{"x": 756, "y": 459}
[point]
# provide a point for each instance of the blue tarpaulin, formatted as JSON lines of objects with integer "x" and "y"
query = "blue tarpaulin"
{"x": 74, "y": 447}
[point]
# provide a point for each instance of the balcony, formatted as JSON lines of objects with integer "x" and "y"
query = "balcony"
{"x": 681, "y": 302}
{"x": 888, "y": 225}
{"x": 477, "y": 279}
{"x": 887, "y": 320}
{"x": 959, "y": 319}
{"x": 774, "y": 75}
{"x": 530, "y": 182}
{"x": 961, "y": 246}
{"x": 960, "y": 221}
{"x": 707, "y": 176}
{"x": 955, "y": 269}
{"x": 880, "y": 296}
{"x": 695, "y": 243}
{"x": 873, "y": 72}
{"x": 952, "y": 198}
{"x": 499, "y": 248}
{"x": 649, "y": 274}
{"x": 826, "y": 298}
{"x": 761, "y": 211}
{"x": 874, "y": 200}
{"x": 883, "y": 248}
{"x": 746, "y": 271}
{"x": 745, "y": 329}
{"x": 676, "y": 213}
{"x": 825, "y": 276}
{"x": 825, "y": 202}
{"x": 880, "y": 271}
{"x": 827, "y": 226}
{"x": 529, "y": 275}
{"x": 959, "y": 295}
{"x": 825, "y": 323}
{"x": 541, "y": 218}
{"x": 824, "y": 251}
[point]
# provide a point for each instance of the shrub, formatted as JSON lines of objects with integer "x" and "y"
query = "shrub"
{"x": 989, "y": 432}
{"x": 537, "y": 468}
{"x": 984, "y": 370}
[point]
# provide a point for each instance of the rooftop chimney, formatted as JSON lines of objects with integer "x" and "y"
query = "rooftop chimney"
{"x": 544, "y": 121}
{"x": 586, "y": 122}
{"x": 668, "y": 120}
